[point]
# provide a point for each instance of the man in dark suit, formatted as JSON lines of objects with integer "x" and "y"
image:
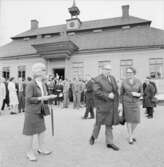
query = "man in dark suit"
{"x": 21, "y": 94}
{"x": 149, "y": 92}
{"x": 106, "y": 102}
{"x": 89, "y": 98}
{"x": 6, "y": 100}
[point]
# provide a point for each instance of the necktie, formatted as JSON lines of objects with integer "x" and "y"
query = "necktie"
{"x": 108, "y": 77}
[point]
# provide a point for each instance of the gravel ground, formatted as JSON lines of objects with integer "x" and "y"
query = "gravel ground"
{"x": 70, "y": 144}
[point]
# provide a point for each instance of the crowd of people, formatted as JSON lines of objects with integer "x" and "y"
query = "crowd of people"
{"x": 13, "y": 92}
{"x": 113, "y": 103}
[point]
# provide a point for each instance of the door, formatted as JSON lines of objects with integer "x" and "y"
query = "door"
{"x": 60, "y": 72}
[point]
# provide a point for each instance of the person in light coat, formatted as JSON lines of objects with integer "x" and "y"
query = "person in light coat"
{"x": 13, "y": 97}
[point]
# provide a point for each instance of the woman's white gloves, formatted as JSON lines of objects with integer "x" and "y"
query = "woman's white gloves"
{"x": 111, "y": 95}
{"x": 136, "y": 94}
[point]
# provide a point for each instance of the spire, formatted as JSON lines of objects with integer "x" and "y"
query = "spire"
{"x": 74, "y": 3}
{"x": 74, "y": 10}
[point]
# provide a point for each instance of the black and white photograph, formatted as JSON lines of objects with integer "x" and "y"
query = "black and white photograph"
{"x": 81, "y": 83}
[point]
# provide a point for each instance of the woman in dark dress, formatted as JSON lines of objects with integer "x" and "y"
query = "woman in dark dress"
{"x": 130, "y": 92}
{"x": 34, "y": 123}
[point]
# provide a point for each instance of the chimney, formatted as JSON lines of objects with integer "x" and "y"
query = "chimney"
{"x": 34, "y": 24}
{"x": 125, "y": 11}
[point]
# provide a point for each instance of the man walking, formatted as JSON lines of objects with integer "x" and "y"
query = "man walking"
{"x": 106, "y": 103}
{"x": 21, "y": 95}
{"x": 89, "y": 98}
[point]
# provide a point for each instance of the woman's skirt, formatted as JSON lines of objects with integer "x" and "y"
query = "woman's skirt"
{"x": 132, "y": 112}
{"x": 33, "y": 124}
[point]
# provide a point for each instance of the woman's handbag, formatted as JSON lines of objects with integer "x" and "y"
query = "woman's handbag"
{"x": 122, "y": 117}
{"x": 154, "y": 100}
{"x": 45, "y": 109}
{"x": 122, "y": 120}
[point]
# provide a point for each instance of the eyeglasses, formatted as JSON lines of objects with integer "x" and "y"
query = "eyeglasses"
{"x": 129, "y": 72}
{"x": 44, "y": 70}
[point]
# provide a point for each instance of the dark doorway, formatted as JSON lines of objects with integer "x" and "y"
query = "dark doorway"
{"x": 60, "y": 72}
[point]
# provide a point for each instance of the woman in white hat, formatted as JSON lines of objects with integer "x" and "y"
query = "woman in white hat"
{"x": 34, "y": 124}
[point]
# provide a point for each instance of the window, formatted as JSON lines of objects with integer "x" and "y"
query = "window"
{"x": 101, "y": 64}
{"x": 156, "y": 67}
{"x": 6, "y": 72}
{"x": 124, "y": 64}
{"x": 78, "y": 70}
{"x": 22, "y": 72}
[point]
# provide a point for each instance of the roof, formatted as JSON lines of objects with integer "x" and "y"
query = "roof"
{"x": 86, "y": 25}
{"x": 138, "y": 36}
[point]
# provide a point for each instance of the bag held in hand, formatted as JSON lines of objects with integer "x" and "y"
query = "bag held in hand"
{"x": 154, "y": 100}
{"x": 122, "y": 117}
{"x": 45, "y": 109}
{"x": 122, "y": 120}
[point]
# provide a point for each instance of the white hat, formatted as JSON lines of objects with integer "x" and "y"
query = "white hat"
{"x": 37, "y": 68}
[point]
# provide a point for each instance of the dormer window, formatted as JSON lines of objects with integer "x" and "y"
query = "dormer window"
{"x": 26, "y": 38}
{"x": 47, "y": 36}
{"x": 126, "y": 27}
{"x": 71, "y": 33}
{"x": 98, "y": 30}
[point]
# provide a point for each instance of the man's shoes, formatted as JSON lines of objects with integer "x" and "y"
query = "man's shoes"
{"x": 92, "y": 140}
{"x": 31, "y": 157}
{"x": 91, "y": 117}
{"x": 12, "y": 113}
{"x": 112, "y": 146}
{"x": 134, "y": 140}
{"x": 44, "y": 152}
{"x": 130, "y": 142}
{"x": 84, "y": 117}
{"x": 149, "y": 116}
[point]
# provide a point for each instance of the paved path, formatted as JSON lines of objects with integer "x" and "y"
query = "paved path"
{"x": 71, "y": 148}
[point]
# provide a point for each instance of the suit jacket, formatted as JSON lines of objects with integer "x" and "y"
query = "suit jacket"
{"x": 33, "y": 105}
{"x": 24, "y": 88}
{"x": 102, "y": 87}
{"x": 89, "y": 90}
{"x": 148, "y": 95}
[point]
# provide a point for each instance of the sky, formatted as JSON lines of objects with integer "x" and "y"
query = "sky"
{"x": 15, "y": 15}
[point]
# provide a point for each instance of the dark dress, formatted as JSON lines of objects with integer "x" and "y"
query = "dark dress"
{"x": 34, "y": 121}
{"x": 131, "y": 104}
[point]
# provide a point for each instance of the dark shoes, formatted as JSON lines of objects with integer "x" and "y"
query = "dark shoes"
{"x": 87, "y": 117}
{"x": 84, "y": 117}
{"x": 92, "y": 140}
{"x": 91, "y": 118}
{"x": 44, "y": 152}
{"x": 130, "y": 142}
{"x": 12, "y": 113}
{"x": 149, "y": 116}
{"x": 112, "y": 146}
